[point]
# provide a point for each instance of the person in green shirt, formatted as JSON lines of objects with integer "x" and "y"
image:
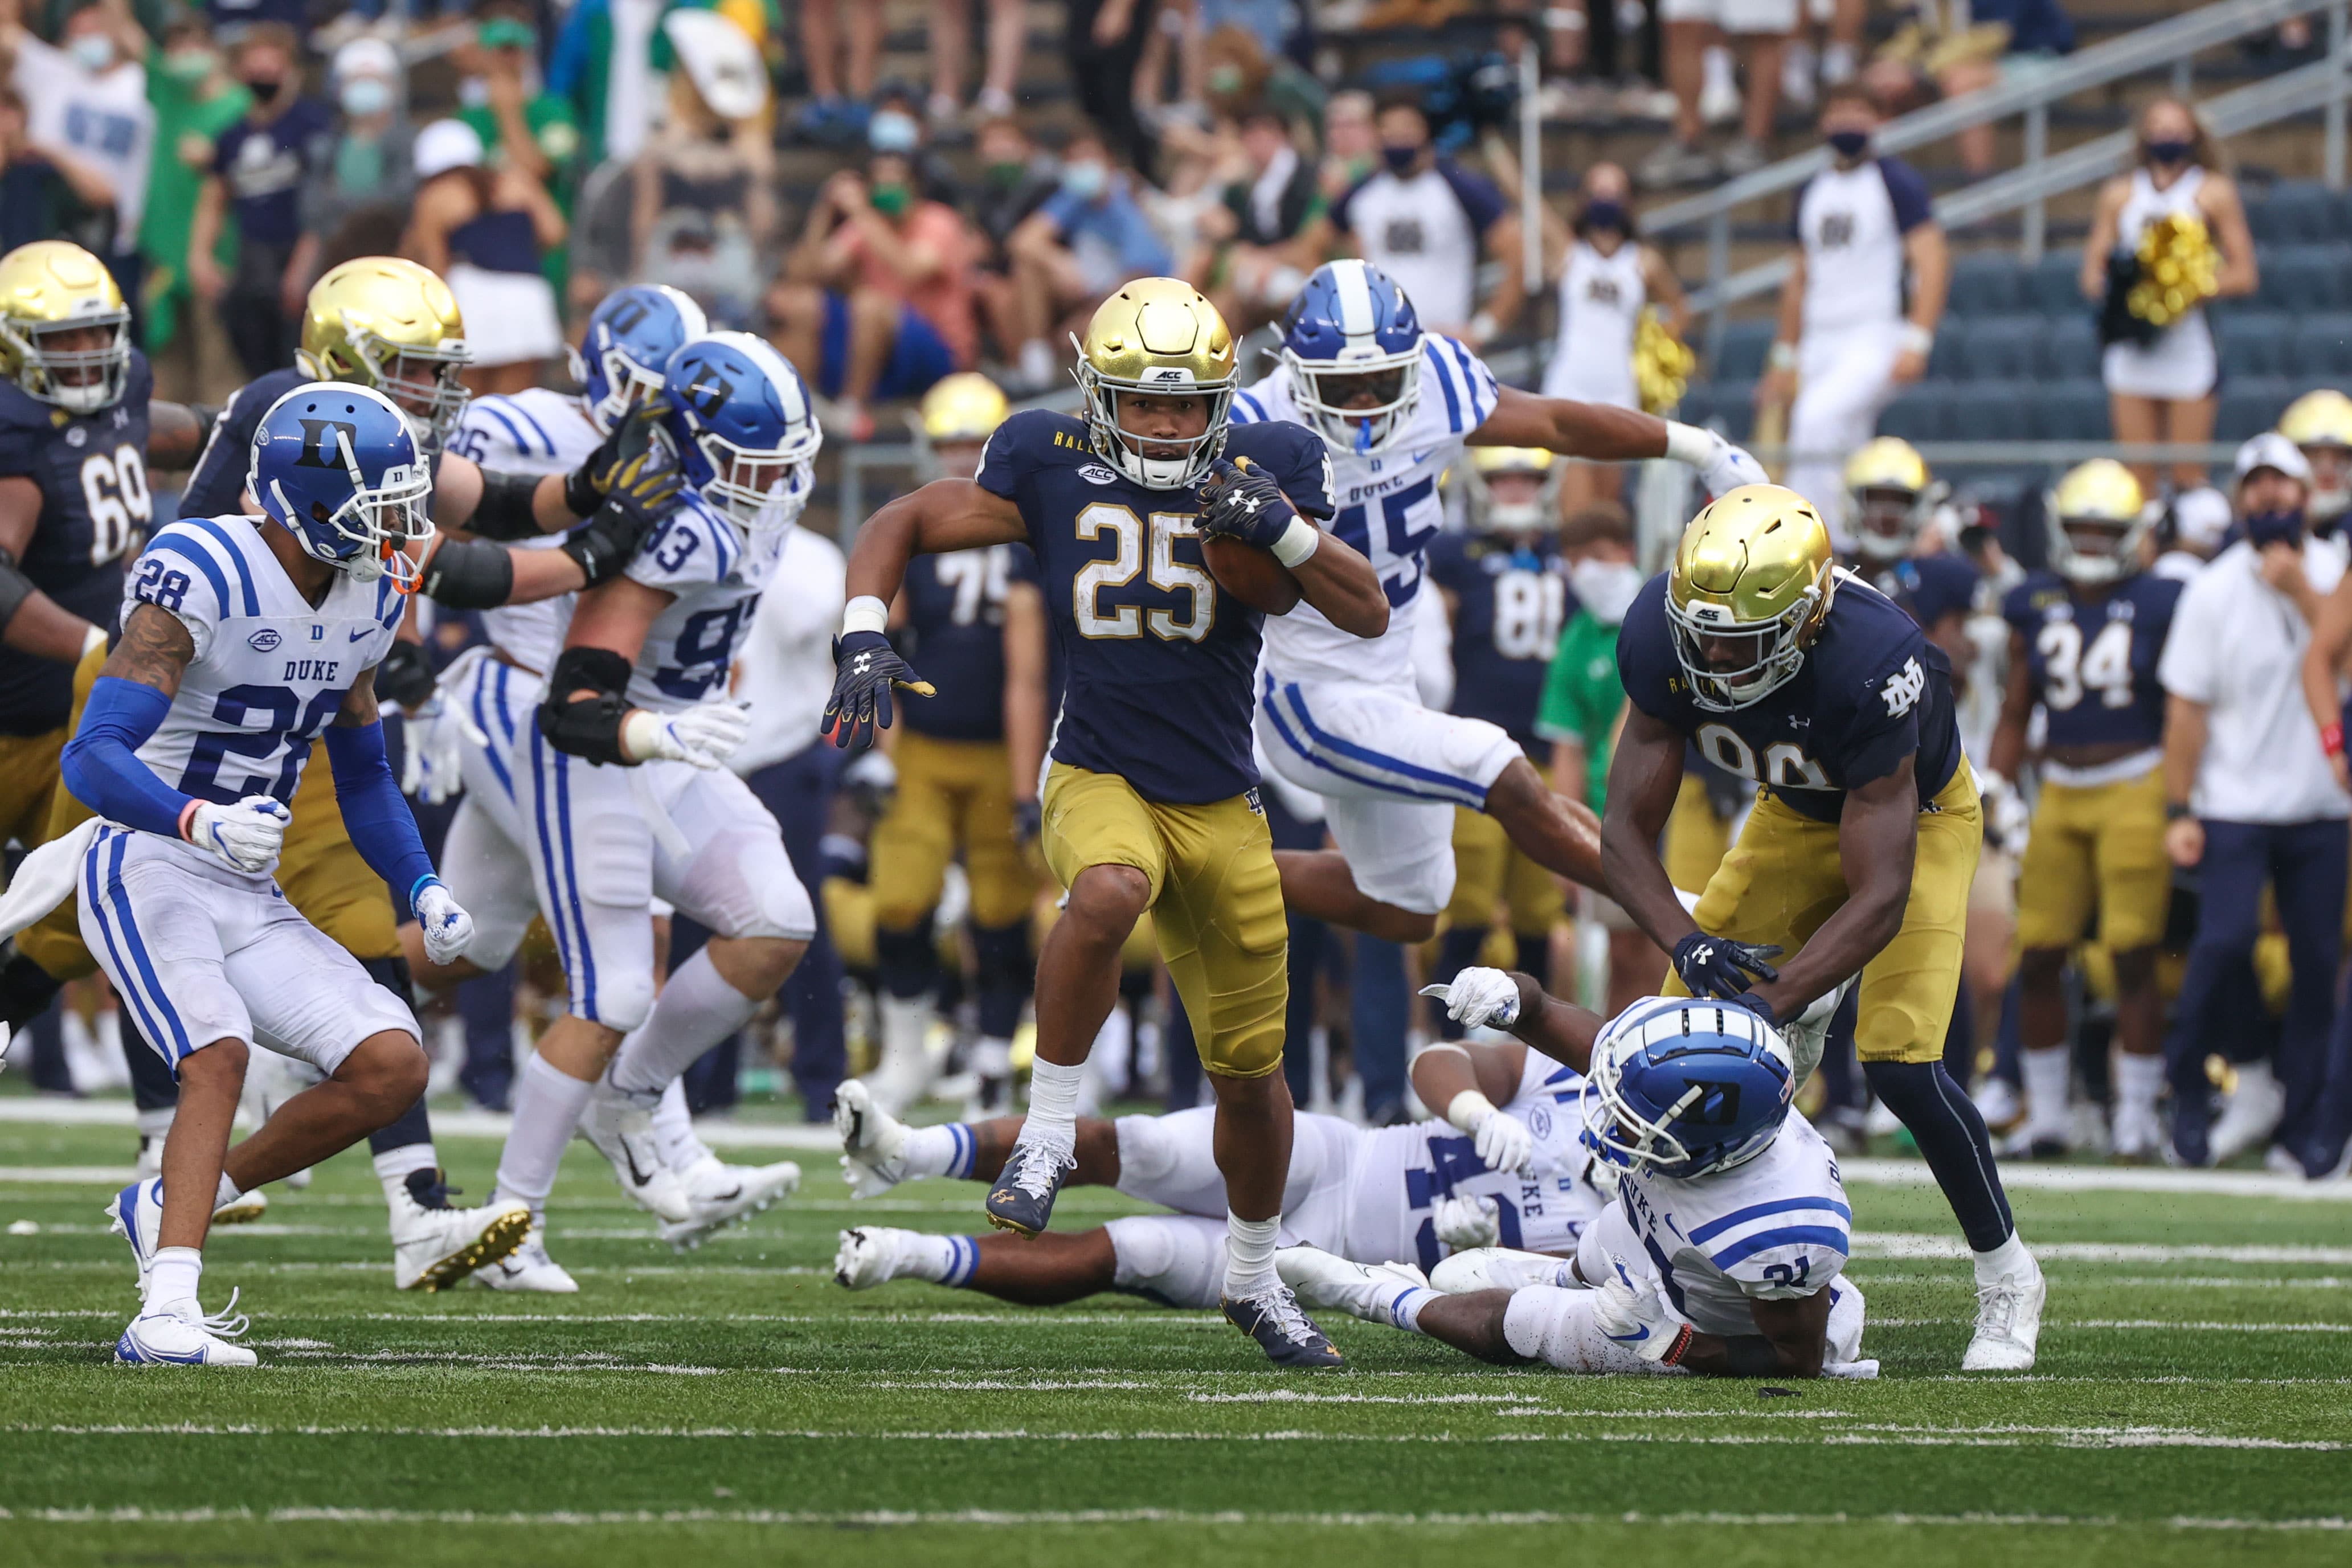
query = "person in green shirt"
{"x": 195, "y": 99}
{"x": 1583, "y": 704}
{"x": 520, "y": 122}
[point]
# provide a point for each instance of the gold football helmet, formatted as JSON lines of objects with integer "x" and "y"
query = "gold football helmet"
{"x": 382, "y": 322}
{"x": 1750, "y": 586}
{"x": 1888, "y": 499}
{"x": 2098, "y": 518}
{"x": 2321, "y": 424}
{"x": 962, "y": 410}
{"x": 1490, "y": 516}
{"x": 1157, "y": 336}
{"x": 52, "y": 292}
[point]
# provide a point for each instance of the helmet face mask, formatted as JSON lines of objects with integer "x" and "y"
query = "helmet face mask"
{"x": 1512, "y": 490}
{"x": 1734, "y": 664}
{"x": 953, "y": 423}
{"x": 1885, "y": 524}
{"x": 2098, "y": 523}
{"x": 627, "y": 346}
{"x": 339, "y": 468}
{"x": 1352, "y": 345}
{"x": 65, "y": 331}
{"x": 743, "y": 429}
{"x": 1157, "y": 355}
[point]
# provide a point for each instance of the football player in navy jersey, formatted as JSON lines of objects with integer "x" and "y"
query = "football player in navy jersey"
{"x": 1152, "y": 801}
{"x": 967, "y": 760}
{"x": 1506, "y": 596}
{"x": 1859, "y": 854}
{"x": 2084, "y": 638}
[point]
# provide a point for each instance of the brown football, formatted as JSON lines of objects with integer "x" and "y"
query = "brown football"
{"x": 1250, "y": 574}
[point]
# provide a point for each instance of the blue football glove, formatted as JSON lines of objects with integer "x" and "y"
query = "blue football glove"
{"x": 864, "y": 668}
{"x": 1245, "y": 504}
{"x": 1712, "y": 967}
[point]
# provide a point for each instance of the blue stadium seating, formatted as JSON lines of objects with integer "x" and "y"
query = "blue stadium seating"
{"x": 2071, "y": 411}
{"x": 2256, "y": 342}
{"x": 2304, "y": 278}
{"x": 2069, "y": 347}
{"x": 1917, "y": 414}
{"x": 1987, "y": 284}
{"x": 2321, "y": 347}
{"x": 2000, "y": 348}
{"x": 1745, "y": 344}
{"x": 2295, "y": 212}
{"x": 2055, "y": 286}
{"x": 2250, "y": 405}
{"x": 1991, "y": 411}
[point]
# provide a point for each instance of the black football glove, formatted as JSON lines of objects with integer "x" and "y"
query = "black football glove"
{"x": 1756, "y": 1005}
{"x": 631, "y": 438}
{"x": 1245, "y": 504}
{"x": 1028, "y": 821}
{"x": 864, "y": 668}
{"x": 643, "y": 495}
{"x": 1712, "y": 967}
{"x": 405, "y": 678}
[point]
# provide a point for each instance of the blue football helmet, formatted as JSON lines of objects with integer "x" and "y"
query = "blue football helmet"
{"x": 744, "y": 428}
{"x": 1351, "y": 333}
{"x": 1683, "y": 1087}
{"x": 627, "y": 346}
{"x": 337, "y": 466}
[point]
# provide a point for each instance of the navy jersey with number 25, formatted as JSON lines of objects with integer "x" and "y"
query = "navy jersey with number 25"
{"x": 1158, "y": 661}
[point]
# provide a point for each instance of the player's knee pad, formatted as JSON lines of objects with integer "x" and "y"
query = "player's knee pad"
{"x": 619, "y": 1002}
{"x": 1176, "y": 1260}
{"x": 742, "y": 885}
{"x": 1556, "y": 1327}
{"x": 906, "y": 960}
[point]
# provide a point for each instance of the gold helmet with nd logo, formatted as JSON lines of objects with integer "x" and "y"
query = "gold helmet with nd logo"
{"x": 957, "y": 417}
{"x": 1158, "y": 338}
{"x": 2097, "y": 519}
{"x": 2320, "y": 423}
{"x": 65, "y": 332}
{"x": 1888, "y": 499}
{"x": 1750, "y": 586}
{"x": 382, "y": 322}
{"x": 1511, "y": 489}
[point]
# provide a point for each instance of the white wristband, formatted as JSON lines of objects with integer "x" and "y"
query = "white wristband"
{"x": 640, "y": 735}
{"x": 864, "y": 614}
{"x": 1918, "y": 340}
{"x": 1298, "y": 541}
{"x": 1469, "y": 1110}
{"x": 1689, "y": 444}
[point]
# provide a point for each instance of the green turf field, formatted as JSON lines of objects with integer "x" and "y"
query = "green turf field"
{"x": 2193, "y": 1404}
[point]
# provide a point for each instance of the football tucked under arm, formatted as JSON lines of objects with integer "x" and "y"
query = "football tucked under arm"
{"x": 1250, "y": 574}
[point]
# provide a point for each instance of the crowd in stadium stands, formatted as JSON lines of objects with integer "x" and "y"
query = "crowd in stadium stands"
{"x": 887, "y": 235}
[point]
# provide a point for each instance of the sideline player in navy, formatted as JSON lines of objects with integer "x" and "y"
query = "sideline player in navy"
{"x": 2083, "y": 643}
{"x": 1151, "y": 802}
{"x": 1858, "y": 856}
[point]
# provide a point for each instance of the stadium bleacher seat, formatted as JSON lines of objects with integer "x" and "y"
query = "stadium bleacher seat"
{"x": 1987, "y": 284}
{"x": 2072, "y": 409}
{"x": 2304, "y": 278}
{"x": 2321, "y": 347}
{"x": 1947, "y": 361}
{"x": 1990, "y": 411}
{"x": 2000, "y": 348}
{"x": 1745, "y": 344}
{"x": 2054, "y": 286}
{"x": 2256, "y": 342}
{"x": 2252, "y": 405}
{"x": 2069, "y": 347}
{"x": 1917, "y": 414}
{"x": 2294, "y": 211}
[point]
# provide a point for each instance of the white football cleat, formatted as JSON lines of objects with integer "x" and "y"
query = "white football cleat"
{"x": 871, "y": 1141}
{"x": 2251, "y": 1114}
{"x": 720, "y": 1194}
{"x": 2009, "y": 1322}
{"x": 433, "y": 1247}
{"x": 869, "y": 1255}
{"x": 2138, "y": 1135}
{"x": 165, "y": 1337}
{"x": 1501, "y": 1269}
{"x": 1328, "y": 1280}
{"x": 529, "y": 1268}
{"x": 621, "y": 1126}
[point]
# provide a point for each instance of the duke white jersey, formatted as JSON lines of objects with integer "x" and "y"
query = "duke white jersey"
{"x": 1774, "y": 1229}
{"x": 1389, "y": 509}
{"x": 270, "y": 669}
{"x": 717, "y": 570}
{"x": 1404, "y": 1171}
{"x": 530, "y": 432}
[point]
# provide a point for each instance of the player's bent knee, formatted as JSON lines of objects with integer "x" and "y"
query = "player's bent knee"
{"x": 756, "y": 965}
{"x": 224, "y": 1059}
{"x": 388, "y": 1068}
{"x": 621, "y": 1002}
{"x": 1109, "y": 899}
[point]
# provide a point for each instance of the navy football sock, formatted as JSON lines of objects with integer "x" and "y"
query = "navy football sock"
{"x": 1535, "y": 958}
{"x": 1951, "y": 1136}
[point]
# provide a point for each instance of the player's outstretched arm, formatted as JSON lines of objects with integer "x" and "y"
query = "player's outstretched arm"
{"x": 176, "y": 432}
{"x": 1644, "y": 772}
{"x": 1506, "y": 1000}
{"x": 1613, "y": 436}
{"x": 1878, "y": 841}
{"x": 519, "y": 506}
{"x": 30, "y": 621}
{"x": 480, "y": 574}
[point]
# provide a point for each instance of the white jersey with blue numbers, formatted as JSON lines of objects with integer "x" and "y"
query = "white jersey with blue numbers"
{"x": 1402, "y": 1172}
{"x": 717, "y": 570}
{"x": 1775, "y": 1229}
{"x": 1389, "y": 507}
{"x": 530, "y": 432}
{"x": 270, "y": 669}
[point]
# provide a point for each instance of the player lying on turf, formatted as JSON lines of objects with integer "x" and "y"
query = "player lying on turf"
{"x": 1722, "y": 1252}
{"x": 1503, "y": 1165}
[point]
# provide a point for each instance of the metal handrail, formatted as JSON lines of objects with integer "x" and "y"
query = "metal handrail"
{"x": 2147, "y": 48}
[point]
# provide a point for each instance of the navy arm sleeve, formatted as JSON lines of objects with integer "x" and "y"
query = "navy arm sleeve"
{"x": 1481, "y": 202}
{"x": 1908, "y": 192}
{"x": 379, "y": 821}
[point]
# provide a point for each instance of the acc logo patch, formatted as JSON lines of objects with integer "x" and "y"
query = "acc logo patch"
{"x": 1539, "y": 1122}
{"x": 1096, "y": 474}
{"x": 77, "y": 436}
{"x": 263, "y": 641}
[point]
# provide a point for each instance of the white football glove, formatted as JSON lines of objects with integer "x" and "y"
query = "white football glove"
{"x": 246, "y": 836}
{"x": 431, "y": 767}
{"x": 1808, "y": 1034}
{"x": 1721, "y": 466}
{"x": 1501, "y": 1139}
{"x": 2006, "y": 818}
{"x": 1629, "y": 1313}
{"x": 1464, "y": 1223}
{"x": 446, "y": 926}
{"x": 705, "y": 735}
{"x": 1478, "y": 999}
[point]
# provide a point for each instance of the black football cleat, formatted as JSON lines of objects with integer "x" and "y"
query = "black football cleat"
{"x": 1021, "y": 1199}
{"x": 1286, "y": 1334}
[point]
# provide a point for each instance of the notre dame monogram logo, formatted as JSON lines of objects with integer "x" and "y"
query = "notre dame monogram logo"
{"x": 1602, "y": 291}
{"x": 1837, "y": 230}
{"x": 322, "y": 443}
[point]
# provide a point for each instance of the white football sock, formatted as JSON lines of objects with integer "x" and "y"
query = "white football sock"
{"x": 2139, "y": 1080}
{"x": 942, "y": 1259}
{"x": 394, "y": 1166}
{"x": 1054, "y": 1104}
{"x": 991, "y": 1058}
{"x": 228, "y": 1192}
{"x": 171, "y": 1276}
{"x": 2049, "y": 1075}
{"x": 547, "y": 1105}
{"x": 157, "y": 1123}
{"x": 1249, "y": 1256}
{"x": 2009, "y": 1258}
{"x": 695, "y": 1010}
{"x": 906, "y": 1024}
{"x": 942, "y": 1151}
{"x": 674, "y": 1129}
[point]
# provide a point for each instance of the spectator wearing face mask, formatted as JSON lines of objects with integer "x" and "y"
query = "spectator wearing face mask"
{"x": 197, "y": 99}
{"x": 896, "y": 128}
{"x": 259, "y": 166}
{"x": 368, "y": 165}
{"x": 1846, "y": 338}
{"x": 484, "y": 230}
{"x": 500, "y": 95}
{"x": 1087, "y": 238}
{"x": 877, "y": 301}
{"x": 703, "y": 214}
{"x": 1015, "y": 178}
{"x": 86, "y": 105}
{"x": 1607, "y": 279}
{"x": 2254, "y": 796}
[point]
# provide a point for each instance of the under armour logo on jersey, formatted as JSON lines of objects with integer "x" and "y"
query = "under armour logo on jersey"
{"x": 1903, "y": 688}
{"x": 1837, "y": 230}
